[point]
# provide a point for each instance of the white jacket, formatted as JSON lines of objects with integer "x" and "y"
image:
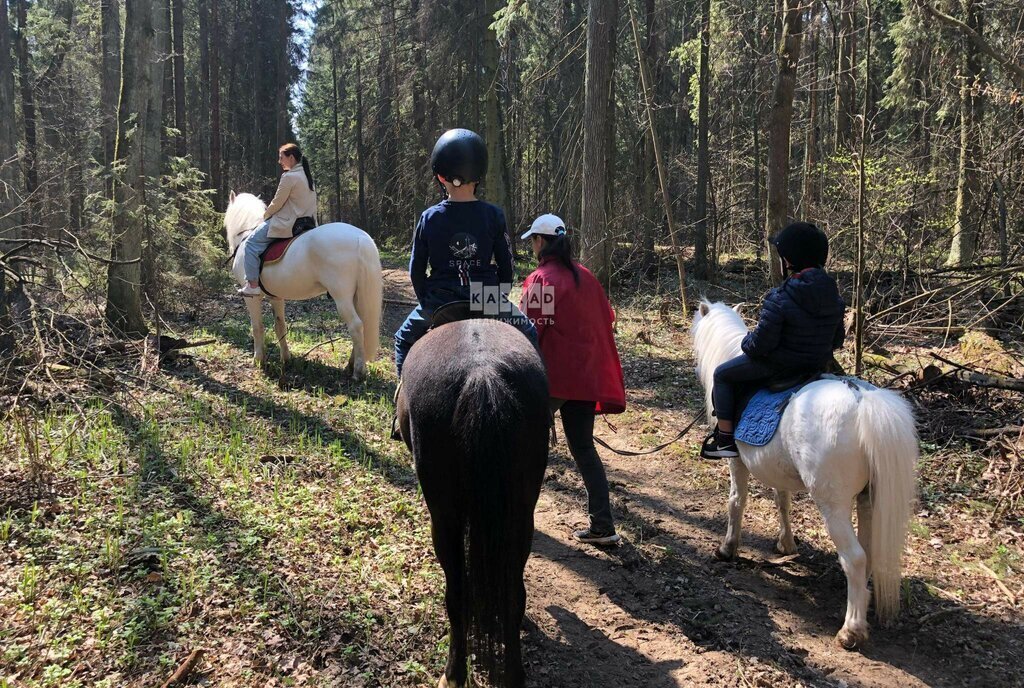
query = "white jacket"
{"x": 294, "y": 199}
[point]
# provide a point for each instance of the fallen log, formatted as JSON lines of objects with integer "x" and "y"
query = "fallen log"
{"x": 955, "y": 371}
{"x": 973, "y": 377}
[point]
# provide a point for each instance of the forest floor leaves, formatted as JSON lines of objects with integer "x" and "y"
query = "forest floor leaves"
{"x": 265, "y": 517}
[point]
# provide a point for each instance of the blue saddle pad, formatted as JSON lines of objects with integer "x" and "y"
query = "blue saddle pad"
{"x": 761, "y": 418}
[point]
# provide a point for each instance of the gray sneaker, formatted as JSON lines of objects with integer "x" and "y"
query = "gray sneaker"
{"x": 593, "y": 538}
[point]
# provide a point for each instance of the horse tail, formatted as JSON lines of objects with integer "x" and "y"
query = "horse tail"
{"x": 488, "y": 417}
{"x": 885, "y": 426}
{"x": 369, "y": 296}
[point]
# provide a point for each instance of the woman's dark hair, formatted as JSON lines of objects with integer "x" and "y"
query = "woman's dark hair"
{"x": 560, "y": 248}
{"x": 293, "y": 150}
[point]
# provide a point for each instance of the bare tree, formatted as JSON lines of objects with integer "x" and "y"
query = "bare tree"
{"x": 139, "y": 112}
{"x": 596, "y": 250}
{"x": 779, "y": 127}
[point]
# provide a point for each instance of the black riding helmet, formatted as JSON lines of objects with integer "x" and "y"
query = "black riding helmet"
{"x": 460, "y": 156}
{"x": 804, "y": 245}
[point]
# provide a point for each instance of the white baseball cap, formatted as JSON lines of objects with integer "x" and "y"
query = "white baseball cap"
{"x": 548, "y": 224}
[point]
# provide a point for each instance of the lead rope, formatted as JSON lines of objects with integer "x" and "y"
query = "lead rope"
{"x": 626, "y": 452}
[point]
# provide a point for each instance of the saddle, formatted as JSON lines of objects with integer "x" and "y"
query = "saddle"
{"x": 759, "y": 407}
{"x": 276, "y": 250}
{"x": 454, "y": 311}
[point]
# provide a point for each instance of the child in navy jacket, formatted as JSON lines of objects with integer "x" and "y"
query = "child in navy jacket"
{"x": 801, "y": 324}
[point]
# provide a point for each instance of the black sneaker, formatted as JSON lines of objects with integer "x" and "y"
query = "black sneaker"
{"x": 592, "y": 538}
{"x": 717, "y": 447}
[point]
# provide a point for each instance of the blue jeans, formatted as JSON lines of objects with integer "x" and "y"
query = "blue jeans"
{"x": 255, "y": 244}
{"x": 418, "y": 322}
{"x": 729, "y": 376}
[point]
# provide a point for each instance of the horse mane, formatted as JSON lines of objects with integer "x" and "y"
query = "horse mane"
{"x": 242, "y": 216}
{"x": 717, "y": 332}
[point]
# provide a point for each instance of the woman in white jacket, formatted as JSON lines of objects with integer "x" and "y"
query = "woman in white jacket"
{"x": 295, "y": 199}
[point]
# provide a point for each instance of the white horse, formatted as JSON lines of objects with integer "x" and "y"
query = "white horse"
{"x": 837, "y": 441}
{"x": 335, "y": 258}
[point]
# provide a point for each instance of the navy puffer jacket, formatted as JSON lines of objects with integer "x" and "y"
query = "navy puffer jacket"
{"x": 801, "y": 323}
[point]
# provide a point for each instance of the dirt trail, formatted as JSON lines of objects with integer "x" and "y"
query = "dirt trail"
{"x": 659, "y": 611}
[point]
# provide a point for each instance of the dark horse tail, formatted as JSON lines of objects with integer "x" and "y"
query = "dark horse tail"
{"x": 492, "y": 425}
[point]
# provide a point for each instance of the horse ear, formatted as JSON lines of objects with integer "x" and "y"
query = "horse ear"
{"x": 231, "y": 196}
{"x": 704, "y": 308}
{"x": 737, "y": 307}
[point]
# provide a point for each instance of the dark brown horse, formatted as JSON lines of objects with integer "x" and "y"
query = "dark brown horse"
{"x": 473, "y": 409}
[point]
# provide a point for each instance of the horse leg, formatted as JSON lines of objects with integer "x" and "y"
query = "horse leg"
{"x": 255, "y": 306}
{"x": 786, "y": 543}
{"x": 515, "y": 675}
{"x": 739, "y": 475}
{"x": 864, "y": 525}
{"x": 448, "y": 545}
{"x": 357, "y": 361}
{"x": 280, "y": 329}
{"x": 854, "y": 632}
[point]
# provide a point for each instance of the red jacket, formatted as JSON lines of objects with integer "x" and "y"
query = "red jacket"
{"x": 574, "y": 327}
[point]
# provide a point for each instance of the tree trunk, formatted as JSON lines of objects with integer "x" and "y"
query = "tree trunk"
{"x": 110, "y": 75}
{"x": 178, "y": 25}
{"x": 360, "y": 151}
{"x": 967, "y": 213}
{"x": 845, "y": 82}
{"x": 216, "y": 178}
{"x": 596, "y": 251}
{"x": 809, "y": 200}
{"x": 494, "y": 134}
{"x": 201, "y": 138}
{"x": 646, "y": 187}
{"x": 139, "y": 108}
{"x": 28, "y": 109}
{"x": 700, "y": 239}
{"x": 779, "y": 128}
{"x": 8, "y": 177}
{"x": 858, "y": 290}
{"x": 419, "y": 109}
{"x": 337, "y": 138}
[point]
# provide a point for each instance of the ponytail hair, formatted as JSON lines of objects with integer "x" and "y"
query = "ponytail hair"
{"x": 560, "y": 248}
{"x": 293, "y": 150}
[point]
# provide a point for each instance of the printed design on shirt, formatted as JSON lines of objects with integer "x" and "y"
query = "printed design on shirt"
{"x": 463, "y": 246}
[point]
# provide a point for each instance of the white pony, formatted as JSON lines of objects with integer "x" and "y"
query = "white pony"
{"x": 837, "y": 440}
{"x": 335, "y": 258}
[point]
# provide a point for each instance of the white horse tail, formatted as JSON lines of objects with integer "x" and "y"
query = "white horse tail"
{"x": 369, "y": 296}
{"x": 885, "y": 427}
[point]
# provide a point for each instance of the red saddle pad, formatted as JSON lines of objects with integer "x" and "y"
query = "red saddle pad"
{"x": 275, "y": 251}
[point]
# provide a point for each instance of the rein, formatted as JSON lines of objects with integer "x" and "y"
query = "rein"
{"x": 626, "y": 452}
{"x": 234, "y": 253}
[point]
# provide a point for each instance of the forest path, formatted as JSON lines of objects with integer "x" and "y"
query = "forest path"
{"x": 660, "y": 611}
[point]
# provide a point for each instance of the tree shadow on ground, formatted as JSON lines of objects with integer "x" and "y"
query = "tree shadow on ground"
{"x": 288, "y": 418}
{"x": 726, "y": 606}
{"x": 608, "y": 662}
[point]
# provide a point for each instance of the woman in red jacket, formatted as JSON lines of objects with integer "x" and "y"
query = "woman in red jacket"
{"x": 574, "y": 327}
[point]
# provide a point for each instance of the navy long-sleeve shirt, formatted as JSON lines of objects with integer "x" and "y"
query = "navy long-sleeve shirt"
{"x": 458, "y": 241}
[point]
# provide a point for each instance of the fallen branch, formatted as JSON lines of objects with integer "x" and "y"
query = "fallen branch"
{"x": 183, "y": 671}
{"x": 1002, "y": 586}
{"x": 972, "y": 377}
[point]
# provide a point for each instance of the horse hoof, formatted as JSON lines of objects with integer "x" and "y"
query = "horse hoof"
{"x": 445, "y": 683}
{"x": 724, "y": 553}
{"x": 851, "y": 640}
{"x": 785, "y": 548}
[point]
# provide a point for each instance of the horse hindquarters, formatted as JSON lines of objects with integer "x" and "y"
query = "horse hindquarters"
{"x": 887, "y": 435}
{"x": 502, "y": 431}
